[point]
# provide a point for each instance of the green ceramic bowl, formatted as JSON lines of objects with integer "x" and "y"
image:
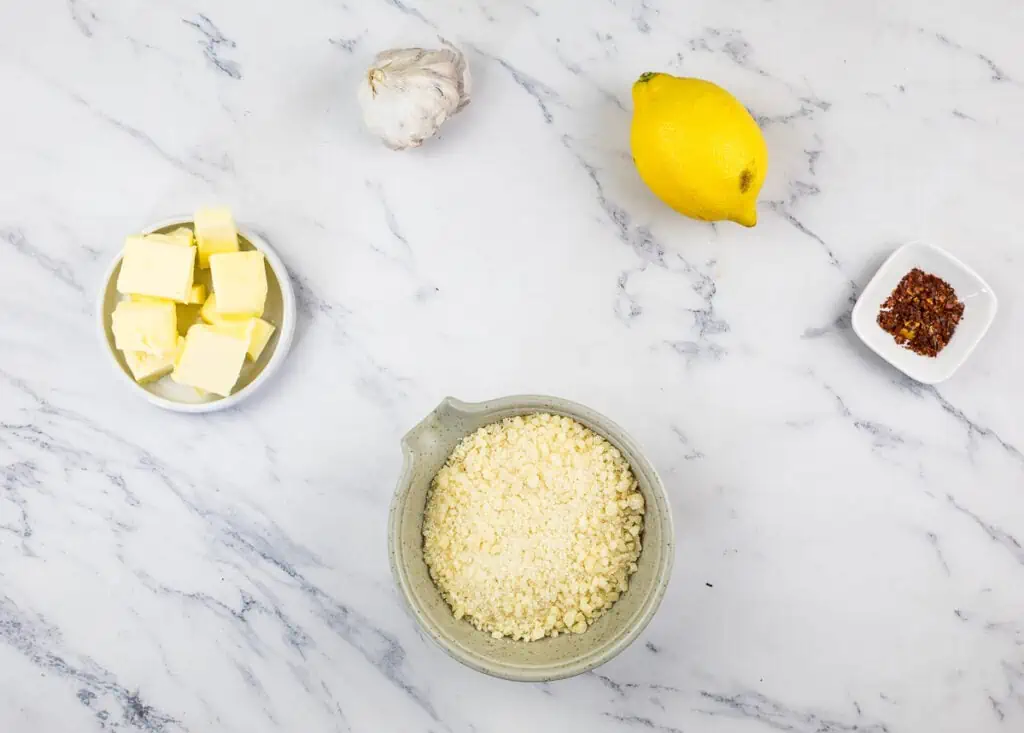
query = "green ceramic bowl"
{"x": 426, "y": 447}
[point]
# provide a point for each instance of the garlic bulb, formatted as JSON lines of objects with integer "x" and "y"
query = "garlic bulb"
{"x": 409, "y": 92}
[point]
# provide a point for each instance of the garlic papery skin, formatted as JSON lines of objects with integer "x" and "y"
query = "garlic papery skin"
{"x": 409, "y": 92}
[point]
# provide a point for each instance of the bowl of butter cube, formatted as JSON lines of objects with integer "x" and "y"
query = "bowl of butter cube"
{"x": 197, "y": 313}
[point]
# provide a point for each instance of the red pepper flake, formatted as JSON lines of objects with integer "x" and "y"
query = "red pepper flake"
{"x": 922, "y": 313}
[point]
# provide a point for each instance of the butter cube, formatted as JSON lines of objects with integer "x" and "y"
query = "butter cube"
{"x": 157, "y": 268}
{"x": 215, "y": 232}
{"x": 214, "y": 317}
{"x": 178, "y": 236}
{"x": 149, "y": 326}
{"x": 240, "y": 282}
{"x": 255, "y": 331}
{"x": 149, "y": 367}
{"x": 259, "y": 338}
{"x": 186, "y": 313}
{"x": 148, "y": 299}
{"x": 211, "y": 360}
{"x": 198, "y": 294}
{"x": 182, "y": 235}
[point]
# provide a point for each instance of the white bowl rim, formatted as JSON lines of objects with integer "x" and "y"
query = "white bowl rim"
{"x": 285, "y": 336}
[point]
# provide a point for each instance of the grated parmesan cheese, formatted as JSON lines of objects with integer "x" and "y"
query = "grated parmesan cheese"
{"x": 532, "y": 527}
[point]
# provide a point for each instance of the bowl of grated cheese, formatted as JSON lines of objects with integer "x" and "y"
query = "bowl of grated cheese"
{"x": 530, "y": 537}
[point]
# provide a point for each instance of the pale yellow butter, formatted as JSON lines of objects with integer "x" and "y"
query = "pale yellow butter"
{"x": 255, "y": 331}
{"x": 149, "y": 326}
{"x": 259, "y": 338}
{"x": 186, "y": 313}
{"x": 148, "y": 299}
{"x": 215, "y": 232}
{"x": 149, "y": 367}
{"x": 198, "y": 294}
{"x": 182, "y": 235}
{"x": 213, "y": 316}
{"x": 157, "y": 268}
{"x": 239, "y": 282}
{"x": 211, "y": 360}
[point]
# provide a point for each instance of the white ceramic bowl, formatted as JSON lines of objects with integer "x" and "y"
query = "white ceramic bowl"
{"x": 980, "y": 307}
{"x": 164, "y": 392}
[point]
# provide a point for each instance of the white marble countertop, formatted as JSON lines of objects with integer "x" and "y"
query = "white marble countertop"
{"x": 850, "y": 543}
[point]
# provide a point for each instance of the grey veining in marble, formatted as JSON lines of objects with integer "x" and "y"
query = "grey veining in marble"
{"x": 851, "y": 543}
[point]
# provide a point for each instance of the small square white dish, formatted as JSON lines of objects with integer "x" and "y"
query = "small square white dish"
{"x": 980, "y": 306}
{"x": 280, "y": 311}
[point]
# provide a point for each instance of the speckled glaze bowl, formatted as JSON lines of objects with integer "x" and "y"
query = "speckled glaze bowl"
{"x": 426, "y": 447}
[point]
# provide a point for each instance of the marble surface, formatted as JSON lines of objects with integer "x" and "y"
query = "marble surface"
{"x": 850, "y": 543}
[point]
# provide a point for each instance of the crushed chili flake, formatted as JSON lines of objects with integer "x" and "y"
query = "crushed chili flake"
{"x": 922, "y": 313}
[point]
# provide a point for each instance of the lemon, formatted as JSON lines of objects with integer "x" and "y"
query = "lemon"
{"x": 697, "y": 148}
